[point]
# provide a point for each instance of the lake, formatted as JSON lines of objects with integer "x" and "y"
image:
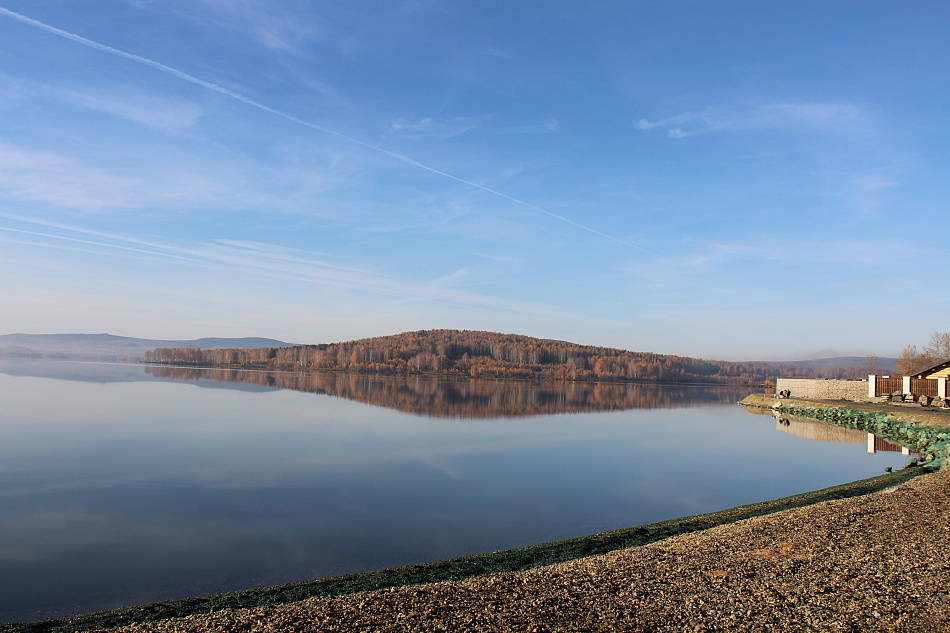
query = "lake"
{"x": 126, "y": 484}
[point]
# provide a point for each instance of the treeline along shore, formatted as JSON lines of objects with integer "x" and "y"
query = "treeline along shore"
{"x": 490, "y": 355}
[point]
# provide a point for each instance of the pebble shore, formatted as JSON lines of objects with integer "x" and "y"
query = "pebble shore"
{"x": 878, "y": 562}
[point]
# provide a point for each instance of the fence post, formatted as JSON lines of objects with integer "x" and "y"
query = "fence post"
{"x": 942, "y": 387}
{"x": 872, "y": 386}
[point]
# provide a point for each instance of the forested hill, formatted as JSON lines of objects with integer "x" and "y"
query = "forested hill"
{"x": 490, "y": 354}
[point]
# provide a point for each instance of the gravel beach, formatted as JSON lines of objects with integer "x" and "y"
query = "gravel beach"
{"x": 879, "y": 562}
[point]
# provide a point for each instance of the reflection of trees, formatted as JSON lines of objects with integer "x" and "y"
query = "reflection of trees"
{"x": 469, "y": 398}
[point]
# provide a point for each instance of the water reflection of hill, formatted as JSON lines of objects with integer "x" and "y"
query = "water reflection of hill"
{"x": 95, "y": 371}
{"x": 442, "y": 398}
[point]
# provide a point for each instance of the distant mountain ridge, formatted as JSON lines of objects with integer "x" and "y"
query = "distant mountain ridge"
{"x": 112, "y": 347}
{"x": 886, "y": 364}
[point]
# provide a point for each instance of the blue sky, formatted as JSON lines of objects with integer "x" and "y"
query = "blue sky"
{"x": 735, "y": 180}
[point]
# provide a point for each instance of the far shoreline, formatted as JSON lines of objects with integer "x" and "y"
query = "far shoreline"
{"x": 452, "y": 376}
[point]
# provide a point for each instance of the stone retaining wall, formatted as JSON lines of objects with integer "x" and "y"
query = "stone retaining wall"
{"x": 856, "y": 390}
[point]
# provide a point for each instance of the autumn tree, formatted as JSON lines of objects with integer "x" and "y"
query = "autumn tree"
{"x": 491, "y": 354}
{"x": 912, "y": 360}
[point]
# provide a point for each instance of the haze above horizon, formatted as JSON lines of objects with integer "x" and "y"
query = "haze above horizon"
{"x": 720, "y": 180}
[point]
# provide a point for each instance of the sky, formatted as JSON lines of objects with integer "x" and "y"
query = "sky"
{"x": 739, "y": 180}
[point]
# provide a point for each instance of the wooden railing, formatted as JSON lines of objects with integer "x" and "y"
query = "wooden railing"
{"x": 887, "y": 386}
{"x": 918, "y": 386}
{"x": 923, "y": 387}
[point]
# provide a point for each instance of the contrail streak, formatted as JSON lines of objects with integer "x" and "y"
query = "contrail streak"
{"x": 257, "y": 104}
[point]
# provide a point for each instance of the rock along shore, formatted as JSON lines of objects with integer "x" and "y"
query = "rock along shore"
{"x": 867, "y": 556}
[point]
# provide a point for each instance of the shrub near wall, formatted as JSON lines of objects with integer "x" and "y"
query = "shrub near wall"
{"x": 855, "y": 390}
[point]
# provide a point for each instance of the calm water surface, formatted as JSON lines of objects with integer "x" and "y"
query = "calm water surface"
{"x": 124, "y": 484}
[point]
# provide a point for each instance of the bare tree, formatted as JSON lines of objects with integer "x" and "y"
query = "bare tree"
{"x": 912, "y": 360}
{"x": 939, "y": 346}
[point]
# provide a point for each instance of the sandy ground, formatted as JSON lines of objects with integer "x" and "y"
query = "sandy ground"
{"x": 879, "y": 562}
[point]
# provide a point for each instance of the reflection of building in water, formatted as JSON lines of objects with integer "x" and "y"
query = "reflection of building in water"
{"x": 877, "y": 444}
{"x": 820, "y": 431}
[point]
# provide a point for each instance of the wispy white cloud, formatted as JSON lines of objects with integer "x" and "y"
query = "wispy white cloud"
{"x": 169, "y": 116}
{"x": 13, "y": 93}
{"x": 679, "y": 119}
{"x": 785, "y": 261}
{"x": 501, "y": 259}
{"x": 545, "y": 127}
{"x": 51, "y": 178}
{"x": 444, "y": 126}
{"x": 268, "y": 24}
{"x": 867, "y": 183}
{"x": 805, "y": 117}
{"x": 697, "y": 263}
{"x": 265, "y": 260}
{"x": 867, "y": 191}
{"x": 166, "y": 183}
{"x": 163, "y": 115}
